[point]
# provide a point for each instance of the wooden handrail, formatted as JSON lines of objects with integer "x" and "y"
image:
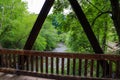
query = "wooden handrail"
{"x": 50, "y": 76}
{"x": 62, "y": 55}
{"x": 59, "y": 64}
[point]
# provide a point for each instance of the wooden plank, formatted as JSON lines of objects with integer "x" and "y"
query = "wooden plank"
{"x": 97, "y": 69}
{"x": 50, "y": 76}
{"x": 14, "y": 61}
{"x": 110, "y": 69}
{"x": 52, "y": 63}
{"x": 62, "y": 55}
{"x": 66, "y": 55}
{"x": 21, "y": 66}
{"x": 27, "y": 63}
{"x": 7, "y": 62}
{"x": 62, "y": 68}
{"x": 117, "y": 69}
{"x": 85, "y": 67}
{"x": 46, "y": 64}
{"x": 104, "y": 71}
{"x": 91, "y": 68}
{"x": 68, "y": 66}
{"x": 32, "y": 64}
{"x": 10, "y": 60}
{"x": 41, "y": 64}
{"x": 80, "y": 67}
{"x": 36, "y": 59}
{"x": 74, "y": 66}
{"x": 57, "y": 65}
{"x": 2, "y": 61}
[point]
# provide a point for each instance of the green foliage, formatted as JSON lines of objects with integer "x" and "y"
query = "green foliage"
{"x": 10, "y": 19}
{"x": 16, "y": 23}
{"x": 60, "y": 5}
{"x": 62, "y": 37}
{"x": 101, "y": 24}
{"x": 50, "y": 34}
{"x": 40, "y": 43}
{"x": 76, "y": 39}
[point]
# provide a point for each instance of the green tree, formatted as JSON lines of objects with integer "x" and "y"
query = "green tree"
{"x": 12, "y": 12}
{"x": 98, "y": 15}
{"x": 16, "y": 24}
{"x": 48, "y": 37}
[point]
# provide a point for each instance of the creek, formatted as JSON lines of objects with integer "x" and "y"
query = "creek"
{"x": 60, "y": 48}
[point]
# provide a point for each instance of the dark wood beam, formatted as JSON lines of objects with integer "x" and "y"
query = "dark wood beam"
{"x": 116, "y": 15}
{"x": 116, "y": 20}
{"x": 89, "y": 32}
{"x": 86, "y": 26}
{"x": 35, "y": 30}
{"x": 38, "y": 24}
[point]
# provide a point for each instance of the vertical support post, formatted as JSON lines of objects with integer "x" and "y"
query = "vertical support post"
{"x": 36, "y": 29}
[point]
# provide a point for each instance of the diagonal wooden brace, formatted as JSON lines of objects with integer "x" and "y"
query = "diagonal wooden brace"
{"x": 38, "y": 24}
{"x": 90, "y": 34}
{"x": 35, "y": 30}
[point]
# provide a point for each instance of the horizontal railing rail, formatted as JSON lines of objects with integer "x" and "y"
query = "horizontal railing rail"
{"x": 61, "y": 54}
{"x": 56, "y": 65}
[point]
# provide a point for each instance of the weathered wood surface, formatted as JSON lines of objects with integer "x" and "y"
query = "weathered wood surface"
{"x": 4, "y": 76}
{"x": 55, "y": 65}
{"x": 50, "y": 76}
{"x": 63, "y": 55}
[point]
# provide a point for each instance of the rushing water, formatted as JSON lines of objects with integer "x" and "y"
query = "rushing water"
{"x": 60, "y": 48}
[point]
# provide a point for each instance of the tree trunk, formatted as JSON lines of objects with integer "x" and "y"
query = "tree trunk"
{"x": 116, "y": 20}
{"x": 116, "y": 15}
{"x": 104, "y": 39}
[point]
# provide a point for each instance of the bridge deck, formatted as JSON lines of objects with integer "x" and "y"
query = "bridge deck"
{"x": 4, "y": 76}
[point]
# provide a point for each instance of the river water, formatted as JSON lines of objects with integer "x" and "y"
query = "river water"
{"x": 60, "y": 48}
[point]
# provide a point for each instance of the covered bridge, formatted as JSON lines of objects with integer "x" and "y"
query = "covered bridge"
{"x": 65, "y": 66}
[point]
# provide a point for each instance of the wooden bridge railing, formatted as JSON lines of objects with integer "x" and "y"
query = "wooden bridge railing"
{"x": 55, "y": 65}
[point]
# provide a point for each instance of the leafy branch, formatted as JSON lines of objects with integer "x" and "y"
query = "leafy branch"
{"x": 100, "y": 14}
{"x": 94, "y": 6}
